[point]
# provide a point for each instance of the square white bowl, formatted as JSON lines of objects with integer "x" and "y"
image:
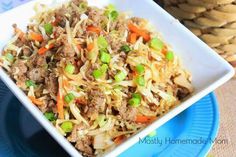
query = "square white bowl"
{"x": 208, "y": 69}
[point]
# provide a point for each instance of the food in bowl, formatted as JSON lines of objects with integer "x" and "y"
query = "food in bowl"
{"x": 97, "y": 74}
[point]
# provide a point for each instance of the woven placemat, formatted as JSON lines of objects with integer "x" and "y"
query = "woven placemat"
{"x": 226, "y": 144}
{"x": 213, "y": 21}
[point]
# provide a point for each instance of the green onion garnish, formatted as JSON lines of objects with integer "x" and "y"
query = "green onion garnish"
{"x": 113, "y": 15}
{"x": 156, "y": 44}
{"x": 102, "y": 42}
{"x": 9, "y": 57}
{"x": 111, "y": 12}
{"x": 48, "y": 28}
{"x": 69, "y": 98}
{"x": 67, "y": 126}
{"x": 50, "y": 116}
{"x": 169, "y": 55}
{"x": 70, "y": 68}
{"x": 134, "y": 102}
{"x": 140, "y": 81}
{"x": 109, "y": 9}
{"x": 104, "y": 68}
{"x": 101, "y": 120}
{"x": 125, "y": 48}
{"x": 140, "y": 68}
{"x": 97, "y": 73}
{"x": 137, "y": 95}
{"x": 105, "y": 57}
{"x": 120, "y": 76}
{"x": 30, "y": 83}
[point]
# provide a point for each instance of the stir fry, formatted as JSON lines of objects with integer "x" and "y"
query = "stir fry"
{"x": 98, "y": 75}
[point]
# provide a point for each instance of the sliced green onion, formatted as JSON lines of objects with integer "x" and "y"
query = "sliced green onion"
{"x": 101, "y": 120}
{"x": 48, "y": 28}
{"x": 111, "y": 12}
{"x": 104, "y": 68}
{"x": 113, "y": 15}
{"x": 100, "y": 72}
{"x": 120, "y": 76}
{"x": 156, "y": 44}
{"x": 134, "y": 102}
{"x": 140, "y": 68}
{"x": 105, "y": 57}
{"x": 9, "y": 57}
{"x": 125, "y": 48}
{"x": 140, "y": 81}
{"x": 102, "y": 42}
{"x": 70, "y": 68}
{"x": 109, "y": 9}
{"x": 50, "y": 116}
{"x": 170, "y": 55}
{"x": 69, "y": 98}
{"x": 30, "y": 83}
{"x": 152, "y": 134}
{"x": 97, "y": 73}
{"x": 67, "y": 126}
{"x": 137, "y": 95}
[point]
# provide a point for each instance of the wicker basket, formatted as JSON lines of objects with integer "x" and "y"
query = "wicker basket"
{"x": 214, "y": 21}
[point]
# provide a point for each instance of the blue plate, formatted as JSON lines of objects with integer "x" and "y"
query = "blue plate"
{"x": 187, "y": 135}
{"x": 190, "y": 134}
{"x": 9, "y": 4}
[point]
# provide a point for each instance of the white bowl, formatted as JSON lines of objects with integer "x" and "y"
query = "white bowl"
{"x": 208, "y": 69}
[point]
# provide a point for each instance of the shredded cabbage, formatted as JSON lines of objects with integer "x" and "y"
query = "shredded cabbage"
{"x": 76, "y": 113}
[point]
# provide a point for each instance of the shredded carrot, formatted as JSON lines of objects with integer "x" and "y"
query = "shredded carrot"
{"x": 145, "y": 119}
{"x": 90, "y": 46}
{"x": 65, "y": 83}
{"x": 164, "y": 50}
{"x": 60, "y": 105}
{"x": 133, "y": 28}
{"x": 43, "y": 50}
{"x": 135, "y": 73}
{"x": 133, "y": 38}
{"x": 140, "y": 32}
{"x": 145, "y": 35}
{"x": 36, "y": 36}
{"x": 119, "y": 139}
{"x": 93, "y": 29}
{"x": 35, "y": 101}
{"x": 55, "y": 22}
{"x": 81, "y": 101}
